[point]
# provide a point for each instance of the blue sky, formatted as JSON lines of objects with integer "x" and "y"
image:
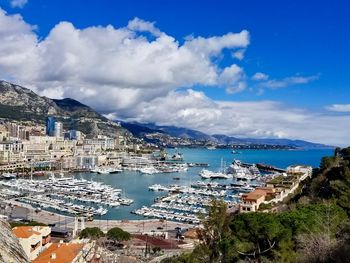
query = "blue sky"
{"x": 299, "y": 48}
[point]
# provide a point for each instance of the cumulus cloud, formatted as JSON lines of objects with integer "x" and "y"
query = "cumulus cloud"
{"x": 339, "y": 107}
{"x": 18, "y": 3}
{"x": 263, "y": 119}
{"x": 124, "y": 73}
{"x": 121, "y": 65}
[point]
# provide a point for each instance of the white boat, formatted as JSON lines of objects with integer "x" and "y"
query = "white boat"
{"x": 101, "y": 211}
{"x": 149, "y": 170}
{"x": 155, "y": 187}
{"x": 8, "y": 176}
{"x": 240, "y": 172}
{"x": 221, "y": 174}
{"x": 206, "y": 174}
{"x": 110, "y": 170}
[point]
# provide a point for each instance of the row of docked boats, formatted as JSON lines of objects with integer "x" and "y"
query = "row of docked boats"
{"x": 155, "y": 168}
{"x": 187, "y": 190}
{"x": 167, "y": 214}
{"x": 46, "y": 203}
{"x": 67, "y": 194}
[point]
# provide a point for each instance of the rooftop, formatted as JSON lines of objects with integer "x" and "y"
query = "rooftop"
{"x": 24, "y": 231}
{"x": 59, "y": 253}
{"x": 255, "y": 195}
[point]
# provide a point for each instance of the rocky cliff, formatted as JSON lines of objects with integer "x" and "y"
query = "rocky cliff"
{"x": 10, "y": 249}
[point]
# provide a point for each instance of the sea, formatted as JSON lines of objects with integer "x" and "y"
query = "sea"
{"x": 135, "y": 185}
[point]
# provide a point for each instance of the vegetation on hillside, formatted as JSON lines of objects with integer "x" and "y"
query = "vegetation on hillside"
{"x": 314, "y": 228}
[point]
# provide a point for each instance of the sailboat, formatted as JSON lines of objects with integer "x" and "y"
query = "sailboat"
{"x": 221, "y": 174}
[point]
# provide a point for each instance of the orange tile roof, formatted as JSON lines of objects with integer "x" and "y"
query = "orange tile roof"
{"x": 24, "y": 231}
{"x": 255, "y": 195}
{"x": 65, "y": 253}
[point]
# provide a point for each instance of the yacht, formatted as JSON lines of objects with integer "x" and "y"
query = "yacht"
{"x": 149, "y": 170}
{"x": 7, "y": 176}
{"x": 241, "y": 172}
{"x": 101, "y": 211}
{"x": 206, "y": 174}
{"x": 155, "y": 187}
{"x": 110, "y": 170}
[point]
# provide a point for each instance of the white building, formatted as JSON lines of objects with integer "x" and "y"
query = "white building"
{"x": 33, "y": 239}
{"x": 87, "y": 161}
{"x": 58, "y": 129}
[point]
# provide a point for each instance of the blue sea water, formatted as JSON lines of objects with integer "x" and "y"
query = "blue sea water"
{"x": 135, "y": 185}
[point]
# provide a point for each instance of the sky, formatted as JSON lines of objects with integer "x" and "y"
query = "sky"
{"x": 263, "y": 69}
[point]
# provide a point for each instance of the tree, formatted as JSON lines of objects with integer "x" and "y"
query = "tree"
{"x": 118, "y": 235}
{"x": 323, "y": 234}
{"x": 216, "y": 245}
{"x": 256, "y": 234}
{"x": 91, "y": 232}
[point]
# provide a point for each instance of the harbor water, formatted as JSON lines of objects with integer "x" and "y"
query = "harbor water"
{"x": 135, "y": 185}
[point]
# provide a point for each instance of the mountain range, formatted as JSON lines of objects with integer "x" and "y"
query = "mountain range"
{"x": 142, "y": 129}
{"x": 22, "y": 104}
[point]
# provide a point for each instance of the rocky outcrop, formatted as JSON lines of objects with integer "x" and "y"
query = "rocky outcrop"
{"x": 22, "y": 104}
{"x": 17, "y": 96}
{"x": 10, "y": 249}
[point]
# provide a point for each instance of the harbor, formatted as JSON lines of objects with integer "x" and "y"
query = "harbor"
{"x": 179, "y": 195}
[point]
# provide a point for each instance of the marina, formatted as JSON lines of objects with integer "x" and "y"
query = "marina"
{"x": 66, "y": 194}
{"x": 190, "y": 193}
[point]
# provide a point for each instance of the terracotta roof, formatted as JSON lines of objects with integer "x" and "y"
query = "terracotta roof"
{"x": 255, "y": 195}
{"x": 64, "y": 253}
{"x": 24, "y": 231}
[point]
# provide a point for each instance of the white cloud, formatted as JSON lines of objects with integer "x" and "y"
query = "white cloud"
{"x": 143, "y": 26}
{"x": 121, "y": 65}
{"x": 260, "y": 76}
{"x": 18, "y": 3}
{"x": 18, "y": 52}
{"x": 263, "y": 119}
{"x": 339, "y": 107}
{"x": 288, "y": 81}
{"x": 214, "y": 45}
